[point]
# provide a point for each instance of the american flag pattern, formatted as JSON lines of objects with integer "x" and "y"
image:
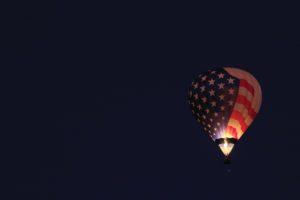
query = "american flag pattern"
{"x": 225, "y": 101}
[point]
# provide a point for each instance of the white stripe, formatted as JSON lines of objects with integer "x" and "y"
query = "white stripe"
{"x": 241, "y": 74}
{"x": 242, "y": 109}
{"x": 235, "y": 124}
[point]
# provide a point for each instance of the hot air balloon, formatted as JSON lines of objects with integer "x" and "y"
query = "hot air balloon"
{"x": 225, "y": 102}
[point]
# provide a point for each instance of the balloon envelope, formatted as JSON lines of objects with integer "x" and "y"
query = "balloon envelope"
{"x": 225, "y": 102}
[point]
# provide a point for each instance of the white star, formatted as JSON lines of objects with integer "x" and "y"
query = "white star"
{"x": 230, "y": 80}
{"x": 222, "y": 108}
{"x": 211, "y": 119}
{"x": 221, "y": 85}
{"x": 196, "y": 85}
{"x": 204, "y": 78}
{"x": 207, "y": 111}
{"x": 213, "y": 72}
{"x": 215, "y": 129}
{"x": 203, "y": 116}
{"x": 221, "y": 75}
{"x": 199, "y": 107}
{"x": 204, "y": 99}
{"x": 196, "y": 96}
{"x": 212, "y": 93}
{"x": 208, "y": 125}
{"x": 218, "y": 123}
{"x": 231, "y": 91}
{"x": 230, "y": 103}
{"x": 190, "y": 93}
{"x": 216, "y": 114}
{"x": 213, "y": 103}
{"x": 221, "y": 97}
{"x": 202, "y": 88}
{"x": 211, "y": 81}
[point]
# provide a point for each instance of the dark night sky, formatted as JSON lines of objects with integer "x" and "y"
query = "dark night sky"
{"x": 97, "y": 100}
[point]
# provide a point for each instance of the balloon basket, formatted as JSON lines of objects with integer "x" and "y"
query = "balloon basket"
{"x": 226, "y": 161}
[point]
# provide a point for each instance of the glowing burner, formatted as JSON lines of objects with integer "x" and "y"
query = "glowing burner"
{"x": 226, "y": 145}
{"x": 226, "y": 148}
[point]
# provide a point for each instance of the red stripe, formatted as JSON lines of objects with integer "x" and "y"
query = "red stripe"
{"x": 244, "y": 101}
{"x": 248, "y": 86}
{"x": 239, "y": 117}
{"x": 232, "y": 131}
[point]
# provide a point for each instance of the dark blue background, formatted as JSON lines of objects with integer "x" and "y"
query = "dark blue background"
{"x": 97, "y": 98}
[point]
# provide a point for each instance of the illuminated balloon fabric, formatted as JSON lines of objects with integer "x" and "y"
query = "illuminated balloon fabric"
{"x": 225, "y": 102}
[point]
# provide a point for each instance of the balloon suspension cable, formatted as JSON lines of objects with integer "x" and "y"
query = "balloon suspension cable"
{"x": 227, "y": 164}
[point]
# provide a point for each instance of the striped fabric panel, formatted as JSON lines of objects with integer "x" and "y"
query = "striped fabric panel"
{"x": 247, "y": 103}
